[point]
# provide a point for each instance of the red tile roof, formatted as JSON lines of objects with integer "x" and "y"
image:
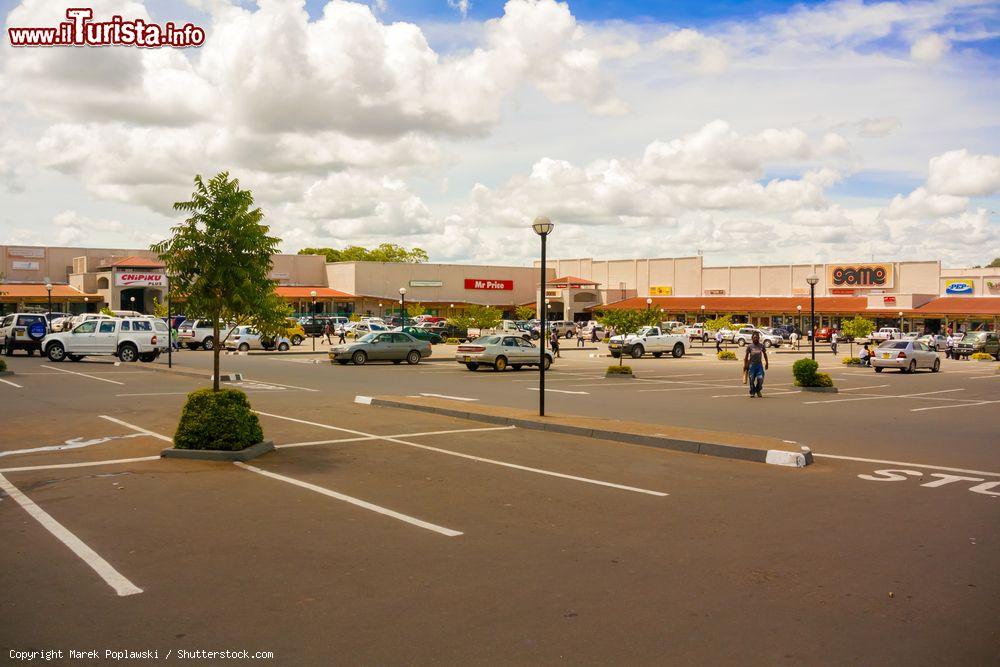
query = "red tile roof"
{"x": 288, "y": 292}
{"x": 945, "y": 305}
{"x": 138, "y": 263}
{"x": 571, "y": 280}
{"x": 962, "y": 305}
{"x": 36, "y": 292}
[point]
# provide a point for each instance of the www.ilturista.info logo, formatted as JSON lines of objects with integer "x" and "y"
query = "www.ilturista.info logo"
{"x": 80, "y": 30}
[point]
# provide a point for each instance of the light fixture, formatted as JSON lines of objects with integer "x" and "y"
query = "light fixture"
{"x": 542, "y": 226}
{"x": 812, "y": 279}
{"x": 402, "y": 290}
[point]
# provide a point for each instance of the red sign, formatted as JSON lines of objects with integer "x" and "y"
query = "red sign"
{"x": 482, "y": 283}
{"x": 842, "y": 291}
{"x": 889, "y": 300}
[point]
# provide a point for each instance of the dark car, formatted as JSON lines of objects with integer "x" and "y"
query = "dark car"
{"x": 426, "y": 334}
{"x": 978, "y": 341}
{"x": 314, "y": 326}
{"x": 447, "y": 331}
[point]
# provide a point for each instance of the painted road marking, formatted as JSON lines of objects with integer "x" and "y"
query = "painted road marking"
{"x": 986, "y": 377}
{"x": 110, "y": 575}
{"x": 75, "y": 443}
{"x": 770, "y": 393}
{"x": 963, "y": 405}
{"x": 874, "y": 386}
{"x": 450, "y": 398}
{"x": 560, "y": 391}
{"x": 875, "y": 397}
{"x": 82, "y": 464}
{"x": 901, "y": 475}
{"x": 92, "y": 377}
{"x": 909, "y": 465}
{"x": 136, "y": 428}
{"x": 448, "y": 532}
{"x": 11, "y": 383}
{"x": 278, "y": 384}
{"x": 469, "y": 456}
{"x": 398, "y": 435}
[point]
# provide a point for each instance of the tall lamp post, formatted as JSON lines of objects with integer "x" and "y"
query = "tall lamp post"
{"x": 381, "y": 313}
{"x": 131, "y": 301}
{"x": 170, "y": 332}
{"x": 543, "y": 227}
{"x": 798, "y": 324}
{"x": 812, "y": 280}
{"x": 402, "y": 307}
{"x": 48, "y": 317}
{"x": 900, "y": 323}
{"x": 649, "y": 303}
{"x": 312, "y": 294}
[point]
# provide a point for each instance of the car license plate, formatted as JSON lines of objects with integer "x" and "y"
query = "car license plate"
{"x": 468, "y": 359}
{"x": 887, "y": 355}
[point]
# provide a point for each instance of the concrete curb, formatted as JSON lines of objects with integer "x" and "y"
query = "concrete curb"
{"x": 6, "y": 373}
{"x": 822, "y": 390}
{"x": 752, "y": 454}
{"x": 247, "y": 454}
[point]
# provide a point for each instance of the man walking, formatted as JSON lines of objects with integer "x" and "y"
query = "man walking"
{"x": 328, "y": 331}
{"x": 579, "y": 336}
{"x": 833, "y": 342}
{"x": 754, "y": 365}
{"x": 718, "y": 341}
{"x": 554, "y": 342}
{"x": 341, "y": 334}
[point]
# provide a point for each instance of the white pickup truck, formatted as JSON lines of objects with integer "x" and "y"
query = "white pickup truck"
{"x": 649, "y": 339}
{"x": 128, "y": 338}
{"x": 886, "y": 333}
{"x": 506, "y": 327}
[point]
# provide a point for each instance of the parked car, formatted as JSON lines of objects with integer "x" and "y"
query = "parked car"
{"x": 196, "y": 334}
{"x": 906, "y": 355}
{"x": 23, "y": 331}
{"x": 247, "y": 338}
{"x": 294, "y": 331}
{"x": 314, "y": 326}
{"x": 978, "y": 341}
{"x": 727, "y": 335}
{"x": 824, "y": 333}
{"x": 363, "y": 328}
{"x": 423, "y": 334}
{"x": 128, "y": 338}
{"x": 501, "y": 352}
{"x": 563, "y": 328}
{"x": 589, "y": 328}
{"x": 447, "y": 331}
{"x": 744, "y": 335}
{"x": 936, "y": 342}
{"x": 394, "y": 346}
{"x": 697, "y": 331}
{"x": 506, "y": 327}
{"x": 649, "y": 339}
{"x": 886, "y": 333}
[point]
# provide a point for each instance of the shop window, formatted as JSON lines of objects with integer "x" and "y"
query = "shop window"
{"x": 103, "y": 283}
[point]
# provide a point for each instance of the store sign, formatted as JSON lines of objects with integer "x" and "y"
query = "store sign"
{"x": 860, "y": 275}
{"x": 426, "y": 283}
{"x": 26, "y": 252}
{"x": 842, "y": 291}
{"x": 24, "y": 266}
{"x": 715, "y": 292}
{"x": 661, "y": 290}
{"x": 888, "y": 301}
{"x": 958, "y": 287}
{"x": 483, "y": 284}
{"x": 279, "y": 276}
{"x": 140, "y": 280}
{"x": 552, "y": 292}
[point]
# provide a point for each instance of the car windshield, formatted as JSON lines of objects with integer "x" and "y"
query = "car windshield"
{"x": 487, "y": 340}
{"x": 974, "y": 337}
{"x": 894, "y": 345}
{"x": 367, "y": 338}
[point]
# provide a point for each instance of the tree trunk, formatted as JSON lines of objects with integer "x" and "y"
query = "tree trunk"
{"x": 215, "y": 355}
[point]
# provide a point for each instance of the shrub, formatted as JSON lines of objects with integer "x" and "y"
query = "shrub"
{"x": 619, "y": 370}
{"x": 978, "y": 356}
{"x": 851, "y": 361}
{"x": 217, "y": 420}
{"x": 823, "y": 380}
{"x": 3, "y": 365}
{"x": 804, "y": 371}
{"x": 726, "y": 355}
{"x": 452, "y": 341}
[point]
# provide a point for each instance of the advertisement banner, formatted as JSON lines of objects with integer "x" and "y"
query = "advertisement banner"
{"x": 959, "y": 287}
{"x": 859, "y": 275}
{"x": 26, "y": 252}
{"x": 661, "y": 290}
{"x": 24, "y": 266}
{"x": 127, "y": 279}
{"x": 482, "y": 283}
{"x": 426, "y": 283}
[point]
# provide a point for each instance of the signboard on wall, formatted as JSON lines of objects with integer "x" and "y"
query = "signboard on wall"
{"x": 552, "y": 292}
{"x": 958, "y": 287}
{"x": 715, "y": 292}
{"x": 859, "y": 275}
{"x": 661, "y": 290}
{"x": 426, "y": 283}
{"x": 888, "y": 301}
{"x": 493, "y": 285}
{"x": 842, "y": 291}
{"x": 126, "y": 279}
{"x": 26, "y": 252}
{"x": 24, "y": 266}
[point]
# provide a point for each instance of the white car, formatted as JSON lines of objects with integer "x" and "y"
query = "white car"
{"x": 697, "y": 331}
{"x": 23, "y": 331}
{"x": 247, "y": 338}
{"x": 198, "y": 334}
{"x": 128, "y": 338}
{"x": 649, "y": 339}
{"x": 744, "y": 335}
{"x": 361, "y": 328}
{"x": 906, "y": 355}
{"x": 887, "y": 333}
{"x": 935, "y": 342}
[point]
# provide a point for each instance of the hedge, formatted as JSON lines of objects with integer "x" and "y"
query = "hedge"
{"x": 726, "y": 355}
{"x": 978, "y": 356}
{"x": 620, "y": 370}
{"x": 3, "y": 365}
{"x": 217, "y": 420}
{"x": 851, "y": 361}
{"x": 452, "y": 341}
{"x": 804, "y": 371}
{"x": 823, "y": 380}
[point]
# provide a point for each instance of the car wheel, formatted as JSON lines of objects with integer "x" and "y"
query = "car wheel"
{"x": 472, "y": 366}
{"x": 912, "y": 368}
{"x": 616, "y": 354}
{"x": 546, "y": 363}
{"x": 937, "y": 366}
{"x": 244, "y": 347}
{"x": 74, "y": 357}
{"x": 878, "y": 369}
{"x": 296, "y": 340}
{"x": 569, "y": 334}
{"x": 704, "y": 338}
{"x": 359, "y": 358}
{"x": 657, "y": 354}
{"x": 282, "y": 347}
{"x": 208, "y": 343}
{"x": 500, "y": 364}
{"x": 56, "y": 352}
{"x": 637, "y": 351}
{"x": 678, "y": 351}
{"x": 742, "y": 342}
{"x": 767, "y": 343}
{"x": 413, "y": 358}
{"x": 128, "y": 353}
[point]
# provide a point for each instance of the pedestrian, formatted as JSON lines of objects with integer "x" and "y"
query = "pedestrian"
{"x": 949, "y": 346}
{"x": 579, "y": 337}
{"x": 865, "y": 356}
{"x": 794, "y": 339}
{"x": 341, "y": 334}
{"x": 593, "y": 333}
{"x": 833, "y": 342}
{"x": 754, "y": 365}
{"x": 554, "y": 342}
{"x": 328, "y": 331}
{"x": 718, "y": 341}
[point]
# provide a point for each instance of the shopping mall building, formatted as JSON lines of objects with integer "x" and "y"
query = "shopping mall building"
{"x": 923, "y": 295}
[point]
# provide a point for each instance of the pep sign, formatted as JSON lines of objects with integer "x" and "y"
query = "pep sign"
{"x": 860, "y": 275}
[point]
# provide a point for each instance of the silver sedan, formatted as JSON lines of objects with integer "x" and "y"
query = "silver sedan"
{"x": 500, "y": 352}
{"x": 906, "y": 355}
{"x": 394, "y": 346}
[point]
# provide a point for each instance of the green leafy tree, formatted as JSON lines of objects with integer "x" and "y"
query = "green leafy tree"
{"x": 220, "y": 258}
{"x": 626, "y": 321}
{"x": 107, "y": 311}
{"x": 994, "y": 264}
{"x": 385, "y": 252}
{"x": 856, "y": 327}
{"x": 483, "y": 317}
{"x": 159, "y": 309}
{"x": 716, "y": 323}
{"x": 524, "y": 313}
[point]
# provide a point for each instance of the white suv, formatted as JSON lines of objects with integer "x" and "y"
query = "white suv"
{"x": 23, "y": 331}
{"x": 745, "y": 334}
{"x": 198, "y": 334}
{"x": 128, "y": 338}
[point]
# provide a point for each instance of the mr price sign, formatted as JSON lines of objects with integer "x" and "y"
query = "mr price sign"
{"x": 482, "y": 284}
{"x": 126, "y": 279}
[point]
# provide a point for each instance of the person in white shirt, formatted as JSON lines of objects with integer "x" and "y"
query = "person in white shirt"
{"x": 833, "y": 342}
{"x": 718, "y": 341}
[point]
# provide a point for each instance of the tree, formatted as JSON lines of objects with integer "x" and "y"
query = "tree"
{"x": 159, "y": 309}
{"x": 385, "y": 252}
{"x": 220, "y": 258}
{"x": 856, "y": 327}
{"x": 524, "y": 313}
{"x": 483, "y": 317}
{"x": 626, "y": 321}
{"x": 994, "y": 264}
{"x": 716, "y": 323}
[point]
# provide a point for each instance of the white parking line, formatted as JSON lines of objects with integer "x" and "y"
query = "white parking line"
{"x": 278, "y": 384}
{"x": 877, "y": 397}
{"x": 874, "y": 386}
{"x": 770, "y": 393}
{"x": 942, "y": 407}
{"x": 560, "y": 391}
{"x": 902, "y": 463}
{"x": 469, "y": 456}
{"x": 92, "y": 377}
{"x": 136, "y": 428}
{"x": 75, "y": 443}
{"x": 82, "y": 464}
{"x": 995, "y": 376}
{"x": 398, "y": 435}
{"x": 451, "y": 398}
{"x": 11, "y": 383}
{"x": 448, "y": 532}
{"x": 110, "y": 575}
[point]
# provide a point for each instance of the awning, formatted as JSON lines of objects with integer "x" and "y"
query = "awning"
{"x": 286, "y": 292}
{"x": 785, "y": 305}
{"x": 36, "y": 293}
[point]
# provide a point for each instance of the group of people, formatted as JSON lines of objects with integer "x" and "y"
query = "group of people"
{"x": 341, "y": 333}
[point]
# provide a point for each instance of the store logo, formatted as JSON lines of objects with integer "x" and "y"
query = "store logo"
{"x": 661, "y": 290}
{"x": 141, "y": 280}
{"x": 958, "y": 287}
{"x": 861, "y": 275}
{"x": 478, "y": 283}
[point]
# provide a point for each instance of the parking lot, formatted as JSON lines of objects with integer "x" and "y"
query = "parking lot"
{"x": 377, "y": 535}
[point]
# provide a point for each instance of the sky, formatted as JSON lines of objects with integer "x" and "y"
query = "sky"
{"x": 751, "y": 132}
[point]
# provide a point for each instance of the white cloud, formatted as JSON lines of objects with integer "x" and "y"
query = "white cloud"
{"x": 708, "y": 54}
{"x": 461, "y": 5}
{"x": 922, "y": 204}
{"x": 74, "y": 228}
{"x": 961, "y": 173}
{"x": 929, "y": 48}
{"x": 878, "y": 127}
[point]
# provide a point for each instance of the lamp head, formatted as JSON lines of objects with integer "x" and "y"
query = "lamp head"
{"x": 649, "y": 300}
{"x": 402, "y": 290}
{"x": 542, "y": 225}
{"x": 312, "y": 293}
{"x": 812, "y": 279}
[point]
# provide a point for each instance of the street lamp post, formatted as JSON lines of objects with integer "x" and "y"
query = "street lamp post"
{"x": 543, "y": 227}
{"x": 312, "y": 294}
{"x": 798, "y": 325}
{"x": 900, "y": 323}
{"x": 812, "y": 280}
{"x": 381, "y": 313}
{"x": 170, "y": 332}
{"x": 649, "y": 303}
{"x": 48, "y": 318}
{"x": 402, "y": 307}
{"x": 131, "y": 300}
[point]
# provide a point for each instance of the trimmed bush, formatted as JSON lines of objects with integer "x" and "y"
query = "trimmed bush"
{"x": 452, "y": 341}
{"x": 804, "y": 371}
{"x": 3, "y": 365}
{"x": 619, "y": 370}
{"x": 823, "y": 380}
{"x": 978, "y": 356}
{"x": 217, "y": 420}
{"x": 851, "y": 361}
{"x": 726, "y": 355}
